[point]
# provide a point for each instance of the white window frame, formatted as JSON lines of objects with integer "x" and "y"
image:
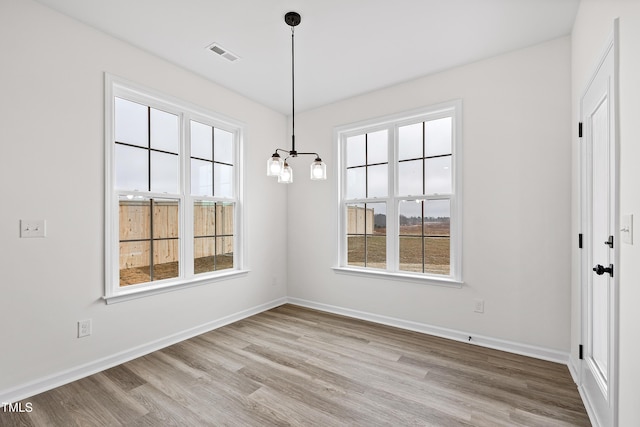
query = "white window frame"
{"x": 392, "y": 123}
{"x": 118, "y": 87}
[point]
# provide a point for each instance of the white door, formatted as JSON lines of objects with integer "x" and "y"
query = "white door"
{"x": 600, "y": 225}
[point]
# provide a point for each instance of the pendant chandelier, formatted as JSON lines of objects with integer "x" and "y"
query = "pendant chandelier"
{"x": 276, "y": 165}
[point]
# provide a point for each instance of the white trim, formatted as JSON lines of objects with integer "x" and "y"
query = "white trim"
{"x": 588, "y": 406}
{"x": 574, "y": 369}
{"x": 537, "y": 352}
{"x": 119, "y": 87}
{"x": 142, "y": 93}
{"x": 391, "y": 123}
{"x": 405, "y": 116}
{"x": 405, "y": 277}
{"x": 592, "y": 406}
{"x": 64, "y": 377}
{"x": 174, "y": 286}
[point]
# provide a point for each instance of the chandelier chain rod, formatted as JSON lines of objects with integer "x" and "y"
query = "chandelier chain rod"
{"x": 293, "y": 93}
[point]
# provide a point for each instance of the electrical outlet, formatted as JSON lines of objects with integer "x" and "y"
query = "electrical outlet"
{"x": 33, "y": 228}
{"x": 84, "y": 328}
{"x": 478, "y": 306}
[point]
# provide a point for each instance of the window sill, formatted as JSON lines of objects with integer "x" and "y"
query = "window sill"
{"x": 132, "y": 294}
{"x": 405, "y": 277}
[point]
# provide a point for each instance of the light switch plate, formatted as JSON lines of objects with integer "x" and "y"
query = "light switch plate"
{"x": 626, "y": 229}
{"x": 33, "y": 228}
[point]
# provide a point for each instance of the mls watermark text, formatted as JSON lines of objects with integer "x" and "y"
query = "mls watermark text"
{"x": 19, "y": 407}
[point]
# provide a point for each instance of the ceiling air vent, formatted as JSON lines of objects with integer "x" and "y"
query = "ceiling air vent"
{"x": 226, "y": 54}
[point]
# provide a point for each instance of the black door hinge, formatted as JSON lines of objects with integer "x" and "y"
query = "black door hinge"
{"x": 580, "y": 352}
{"x": 580, "y": 241}
{"x": 580, "y": 130}
{"x": 609, "y": 242}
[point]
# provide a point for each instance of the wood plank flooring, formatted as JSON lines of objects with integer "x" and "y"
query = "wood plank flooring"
{"x": 293, "y": 366}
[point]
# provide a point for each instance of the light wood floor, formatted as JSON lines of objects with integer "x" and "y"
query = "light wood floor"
{"x": 296, "y": 366}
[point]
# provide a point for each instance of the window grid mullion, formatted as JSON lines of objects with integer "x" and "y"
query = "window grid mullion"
{"x": 148, "y": 148}
{"x": 366, "y": 193}
{"x": 366, "y": 165}
{"x": 424, "y": 191}
{"x": 424, "y": 162}
{"x": 151, "y": 245}
{"x": 416, "y": 158}
{"x": 394, "y": 200}
{"x": 213, "y": 164}
{"x": 151, "y": 240}
{"x": 183, "y": 196}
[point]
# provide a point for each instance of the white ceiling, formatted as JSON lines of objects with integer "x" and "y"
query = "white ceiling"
{"x": 343, "y": 47}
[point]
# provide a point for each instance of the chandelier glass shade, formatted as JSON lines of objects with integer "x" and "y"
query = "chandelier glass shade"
{"x": 276, "y": 165}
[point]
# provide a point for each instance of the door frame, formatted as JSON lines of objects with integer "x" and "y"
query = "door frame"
{"x": 585, "y": 225}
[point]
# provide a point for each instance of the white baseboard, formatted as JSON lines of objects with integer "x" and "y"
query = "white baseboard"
{"x": 480, "y": 340}
{"x": 588, "y": 407}
{"x": 56, "y": 380}
{"x": 574, "y": 369}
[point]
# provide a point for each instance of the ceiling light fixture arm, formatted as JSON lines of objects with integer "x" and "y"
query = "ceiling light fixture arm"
{"x": 293, "y": 153}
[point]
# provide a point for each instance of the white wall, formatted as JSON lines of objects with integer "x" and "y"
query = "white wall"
{"x": 51, "y": 167}
{"x": 516, "y": 228}
{"x": 594, "y": 23}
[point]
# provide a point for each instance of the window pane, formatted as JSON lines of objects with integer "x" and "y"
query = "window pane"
{"x": 223, "y": 146}
{"x": 134, "y": 262}
{"x": 410, "y": 218}
{"x": 356, "y": 219}
{"x": 438, "y": 137}
{"x": 377, "y": 147}
{"x": 411, "y": 254}
{"x": 437, "y": 249}
{"x": 356, "y": 183}
{"x": 134, "y": 219}
{"x": 356, "y": 151}
{"x": 438, "y": 175}
{"x": 367, "y": 220}
{"x": 204, "y": 254}
{"x": 204, "y": 218}
{"x": 165, "y": 219}
{"x": 164, "y": 173}
{"x": 213, "y": 253}
{"x": 410, "y": 142}
{"x": 355, "y": 250}
{"x": 410, "y": 250}
{"x": 224, "y": 253}
{"x": 376, "y": 214}
{"x": 131, "y": 123}
{"x": 437, "y": 217}
{"x": 165, "y": 131}
{"x": 132, "y": 168}
{"x": 437, "y": 252}
{"x": 201, "y": 178}
{"x": 377, "y": 251}
{"x": 377, "y": 181}
{"x": 201, "y": 141}
{"x": 376, "y": 218}
{"x": 224, "y": 219}
{"x": 222, "y": 180}
{"x": 166, "y": 255}
{"x": 407, "y": 166}
{"x": 410, "y": 178}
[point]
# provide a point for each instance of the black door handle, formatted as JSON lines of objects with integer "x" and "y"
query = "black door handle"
{"x": 600, "y": 269}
